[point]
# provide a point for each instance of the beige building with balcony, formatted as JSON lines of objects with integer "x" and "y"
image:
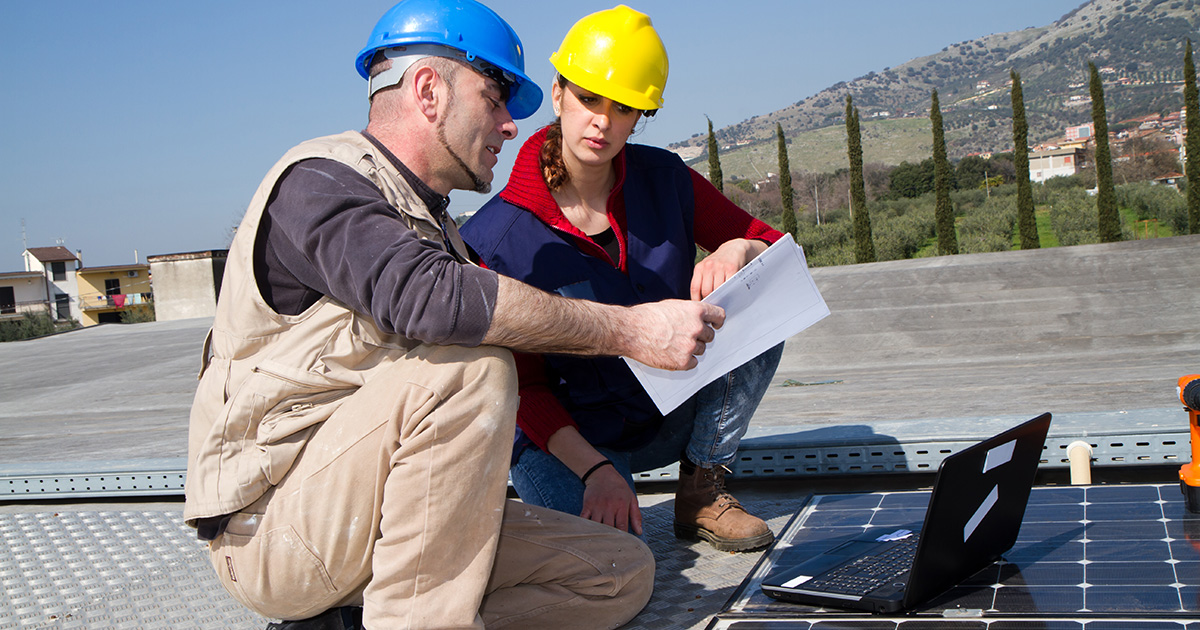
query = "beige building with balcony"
{"x": 106, "y": 293}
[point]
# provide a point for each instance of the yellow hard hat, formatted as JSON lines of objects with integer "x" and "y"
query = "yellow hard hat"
{"x": 617, "y": 54}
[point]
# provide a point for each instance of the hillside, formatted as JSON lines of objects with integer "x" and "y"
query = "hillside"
{"x": 1138, "y": 44}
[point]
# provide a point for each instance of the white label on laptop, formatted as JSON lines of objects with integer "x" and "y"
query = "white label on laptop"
{"x": 999, "y": 455}
{"x": 899, "y": 534}
{"x": 981, "y": 513}
{"x": 797, "y": 581}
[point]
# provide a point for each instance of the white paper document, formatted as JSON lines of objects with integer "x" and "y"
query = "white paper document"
{"x": 770, "y": 299}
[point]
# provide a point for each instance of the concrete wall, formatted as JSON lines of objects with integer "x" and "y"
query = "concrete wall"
{"x": 186, "y": 285}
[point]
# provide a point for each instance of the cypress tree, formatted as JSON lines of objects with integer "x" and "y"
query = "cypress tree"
{"x": 785, "y": 184}
{"x": 714, "y": 161}
{"x": 864, "y": 246}
{"x": 943, "y": 210}
{"x": 1109, "y": 222}
{"x": 1026, "y": 220}
{"x": 1192, "y": 142}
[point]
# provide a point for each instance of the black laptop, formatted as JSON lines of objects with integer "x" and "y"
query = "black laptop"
{"x": 973, "y": 517}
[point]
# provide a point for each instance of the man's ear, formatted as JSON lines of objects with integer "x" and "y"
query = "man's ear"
{"x": 427, "y": 88}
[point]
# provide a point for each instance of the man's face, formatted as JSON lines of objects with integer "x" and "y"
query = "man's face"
{"x": 474, "y": 124}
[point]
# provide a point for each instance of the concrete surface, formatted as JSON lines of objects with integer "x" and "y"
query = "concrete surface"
{"x": 1093, "y": 328}
{"x": 944, "y": 348}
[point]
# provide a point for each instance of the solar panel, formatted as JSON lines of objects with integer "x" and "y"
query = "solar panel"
{"x": 1095, "y": 557}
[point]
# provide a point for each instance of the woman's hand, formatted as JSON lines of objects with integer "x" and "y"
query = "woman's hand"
{"x": 607, "y": 499}
{"x": 723, "y": 263}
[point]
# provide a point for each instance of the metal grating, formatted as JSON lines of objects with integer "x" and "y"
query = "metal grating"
{"x": 120, "y": 569}
{"x": 167, "y": 477}
{"x": 143, "y": 568}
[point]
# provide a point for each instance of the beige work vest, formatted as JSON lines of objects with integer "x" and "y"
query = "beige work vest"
{"x": 268, "y": 379}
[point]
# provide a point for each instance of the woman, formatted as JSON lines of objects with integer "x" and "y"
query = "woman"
{"x": 589, "y": 216}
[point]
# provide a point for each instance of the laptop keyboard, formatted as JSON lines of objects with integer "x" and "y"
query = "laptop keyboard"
{"x": 868, "y": 573}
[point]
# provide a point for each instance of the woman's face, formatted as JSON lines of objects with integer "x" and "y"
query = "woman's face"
{"x": 594, "y": 128}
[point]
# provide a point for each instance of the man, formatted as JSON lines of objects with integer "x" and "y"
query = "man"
{"x": 350, "y": 435}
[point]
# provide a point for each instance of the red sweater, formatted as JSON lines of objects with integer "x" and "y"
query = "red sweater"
{"x": 717, "y": 220}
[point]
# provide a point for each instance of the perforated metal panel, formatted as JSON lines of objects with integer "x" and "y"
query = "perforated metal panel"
{"x": 166, "y": 477}
{"x": 95, "y": 484}
{"x": 927, "y": 455}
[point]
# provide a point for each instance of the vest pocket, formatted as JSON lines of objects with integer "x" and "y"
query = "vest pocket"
{"x": 279, "y": 408}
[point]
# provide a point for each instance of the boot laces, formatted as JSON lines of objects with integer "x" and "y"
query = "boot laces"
{"x": 717, "y": 491}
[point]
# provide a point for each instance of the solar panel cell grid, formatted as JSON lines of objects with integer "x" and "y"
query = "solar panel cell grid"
{"x": 1092, "y": 558}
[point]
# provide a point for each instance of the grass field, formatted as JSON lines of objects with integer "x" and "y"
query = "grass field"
{"x": 824, "y": 150}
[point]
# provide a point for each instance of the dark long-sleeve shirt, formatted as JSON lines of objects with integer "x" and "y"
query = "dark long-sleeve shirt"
{"x": 329, "y": 231}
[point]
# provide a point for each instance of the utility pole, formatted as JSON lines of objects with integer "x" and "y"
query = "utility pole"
{"x": 817, "y": 201}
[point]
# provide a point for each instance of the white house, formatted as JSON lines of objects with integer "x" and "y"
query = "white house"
{"x": 1054, "y": 163}
{"x": 61, "y": 291}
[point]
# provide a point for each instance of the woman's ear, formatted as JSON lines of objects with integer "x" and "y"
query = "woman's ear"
{"x": 556, "y": 94}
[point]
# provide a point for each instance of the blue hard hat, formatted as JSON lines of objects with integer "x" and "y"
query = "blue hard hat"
{"x": 483, "y": 39}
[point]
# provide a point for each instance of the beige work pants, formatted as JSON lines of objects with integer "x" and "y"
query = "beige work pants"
{"x": 397, "y": 502}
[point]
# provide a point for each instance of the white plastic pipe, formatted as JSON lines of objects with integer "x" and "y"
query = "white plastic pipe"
{"x": 1080, "y": 455}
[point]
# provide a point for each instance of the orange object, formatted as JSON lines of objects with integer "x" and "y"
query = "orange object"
{"x": 1189, "y": 474}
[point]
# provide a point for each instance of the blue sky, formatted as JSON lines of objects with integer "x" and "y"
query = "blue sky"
{"x": 145, "y": 125}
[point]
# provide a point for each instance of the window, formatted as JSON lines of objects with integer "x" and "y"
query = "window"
{"x": 59, "y": 269}
{"x": 112, "y": 286}
{"x": 62, "y": 306}
{"x": 8, "y": 301}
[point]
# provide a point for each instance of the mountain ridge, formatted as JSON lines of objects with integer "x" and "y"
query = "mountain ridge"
{"x": 1138, "y": 43}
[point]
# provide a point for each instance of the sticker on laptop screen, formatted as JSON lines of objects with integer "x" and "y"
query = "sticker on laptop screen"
{"x": 899, "y": 534}
{"x": 999, "y": 455}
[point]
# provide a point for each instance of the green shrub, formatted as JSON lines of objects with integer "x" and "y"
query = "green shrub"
{"x": 30, "y": 325}
{"x": 898, "y": 235}
{"x": 989, "y": 227}
{"x": 1073, "y": 218}
{"x": 1152, "y": 201}
{"x": 138, "y": 314}
{"x": 827, "y": 244}
{"x": 1063, "y": 182}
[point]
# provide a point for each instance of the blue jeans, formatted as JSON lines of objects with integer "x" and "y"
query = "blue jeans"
{"x": 710, "y": 425}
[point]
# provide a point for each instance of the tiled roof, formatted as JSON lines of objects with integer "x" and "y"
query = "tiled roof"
{"x": 57, "y": 253}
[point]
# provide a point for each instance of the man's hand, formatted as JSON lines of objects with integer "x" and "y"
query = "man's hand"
{"x": 666, "y": 335}
{"x": 607, "y": 499}
{"x": 672, "y": 333}
{"x": 718, "y": 266}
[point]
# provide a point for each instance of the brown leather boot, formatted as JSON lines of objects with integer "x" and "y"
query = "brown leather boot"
{"x": 705, "y": 510}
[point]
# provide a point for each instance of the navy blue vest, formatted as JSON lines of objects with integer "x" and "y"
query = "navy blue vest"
{"x": 601, "y": 394}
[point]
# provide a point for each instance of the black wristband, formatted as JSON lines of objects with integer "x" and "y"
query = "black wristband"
{"x": 593, "y": 469}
